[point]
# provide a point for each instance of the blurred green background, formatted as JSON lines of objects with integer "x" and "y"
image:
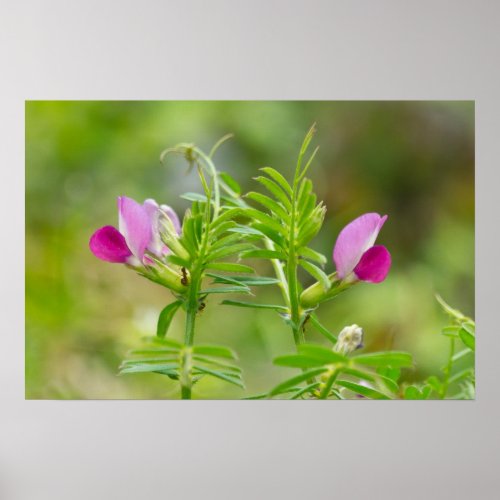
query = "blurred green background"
{"x": 411, "y": 160}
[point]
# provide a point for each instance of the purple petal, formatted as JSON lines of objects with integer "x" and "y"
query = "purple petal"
{"x": 170, "y": 213}
{"x": 135, "y": 225}
{"x": 153, "y": 210}
{"x": 374, "y": 265}
{"x": 354, "y": 240}
{"x": 108, "y": 244}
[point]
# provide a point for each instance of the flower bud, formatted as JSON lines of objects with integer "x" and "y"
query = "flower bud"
{"x": 316, "y": 293}
{"x": 349, "y": 339}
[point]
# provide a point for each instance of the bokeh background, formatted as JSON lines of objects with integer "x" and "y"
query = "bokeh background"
{"x": 411, "y": 160}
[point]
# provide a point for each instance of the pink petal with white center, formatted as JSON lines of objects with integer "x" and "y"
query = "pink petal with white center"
{"x": 354, "y": 240}
{"x": 170, "y": 213}
{"x": 109, "y": 244}
{"x": 374, "y": 265}
{"x": 155, "y": 246}
{"x": 135, "y": 225}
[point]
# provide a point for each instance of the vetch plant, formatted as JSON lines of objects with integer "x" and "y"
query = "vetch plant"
{"x": 288, "y": 219}
{"x": 152, "y": 241}
{"x": 202, "y": 255}
{"x": 458, "y": 379}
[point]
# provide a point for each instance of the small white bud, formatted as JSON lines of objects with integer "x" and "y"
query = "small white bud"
{"x": 349, "y": 339}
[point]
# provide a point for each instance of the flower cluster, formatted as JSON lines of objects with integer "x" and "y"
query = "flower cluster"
{"x": 355, "y": 255}
{"x": 137, "y": 235}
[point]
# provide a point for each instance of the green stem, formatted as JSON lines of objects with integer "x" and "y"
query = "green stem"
{"x": 213, "y": 172}
{"x": 328, "y": 385}
{"x": 448, "y": 368}
{"x": 192, "y": 305}
{"x": 291, "y": 266}
{"x": 185, "y": 376}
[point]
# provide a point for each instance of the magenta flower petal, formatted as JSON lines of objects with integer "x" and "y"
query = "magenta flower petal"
{"x": 354, "y": 240}
{"x": 108, "y": 244}
{"x": 170, "y": 213}
{"x": 374, "y": 265}
{"x": 135, "y": 225}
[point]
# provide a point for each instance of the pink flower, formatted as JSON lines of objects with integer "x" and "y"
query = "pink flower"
{"x": 138, "y": 232}
{"x": 355, "y": 252}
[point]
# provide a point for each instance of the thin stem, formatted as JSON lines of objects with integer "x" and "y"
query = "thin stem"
{"x": 447, "y": 368}
{"x": 213, "y": 172}
{"x": 192, "y": 303}
{"x": 185, "y": 375}
{"x": 328, "y": 385}
{"x": 292, "y": 263}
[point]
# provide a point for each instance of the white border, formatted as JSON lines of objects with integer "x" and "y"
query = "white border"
{"x": 272, "y": 49}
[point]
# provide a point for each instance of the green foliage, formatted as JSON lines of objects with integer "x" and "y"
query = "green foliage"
{"x": 329, "y": 374}
{"x": 81, "y": 154}
{"x": 178, "y": 361}
{"x": 166, "y": 317}
{"x": 458, "y": 379}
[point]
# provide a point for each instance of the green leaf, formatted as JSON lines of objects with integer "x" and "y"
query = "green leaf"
{"x": 245, "y": 230}
{"x": 178, "y": 261}
{"x": 358, "y": 374}
{"x": 279, "y": 179}
{"x": 225, "y": 241}
{"x": 265, "y": 219}
{"x": 470, "y": 327}
{"x": 412, "y": 392}
{"x": 312, "y": 225}
{"x": 434, "y": 383}
{"x": 311, "y": 254}
{"x": 461, "y": 354}
{"x": 263, "y": 254}
{"x": 389, "y": 383}
{"x": 388, "y": 372}
{"x": 172, "y": 358}
{"x": 467, "y": 338}
{"x": 304, "y": 390}
{"x": 368, "y": 392}
{"x": 426, "y": 391}
{"x": 240, "y": 303}
{"x": 166, "y": 317}
{"x": 323, "y": 330}
{"x": 231, "y": 378}
{"x": 275, "y": 190}
{"x": 291, "y": 382}
{"x": 306, "y": 199}
{"x": 244, "y": 280}
{"x": 450, "y": 331}
{"x": 231, "y": 183}
{"x": 149, "y": 367}
{"x": 229, "y": 250}
{"x": 226, "y": 289}
{"x": 222, "y": 228}
{"x": 270, "y": 204}
{"x": 391, "y": 358}
{"x": 321, "y": 353}
{"x": 194, "y": 197}
{"x": 226, "y": 216}
{"x": 230, "y": 267}
{"x": 155, "y": 351}
{"x": 468, "y": 372}
{"x": 218, "y": 363}
{"x": 215, "y": 350}
{"x": 317, "y": 273}
{"x": 270, "y": 233}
